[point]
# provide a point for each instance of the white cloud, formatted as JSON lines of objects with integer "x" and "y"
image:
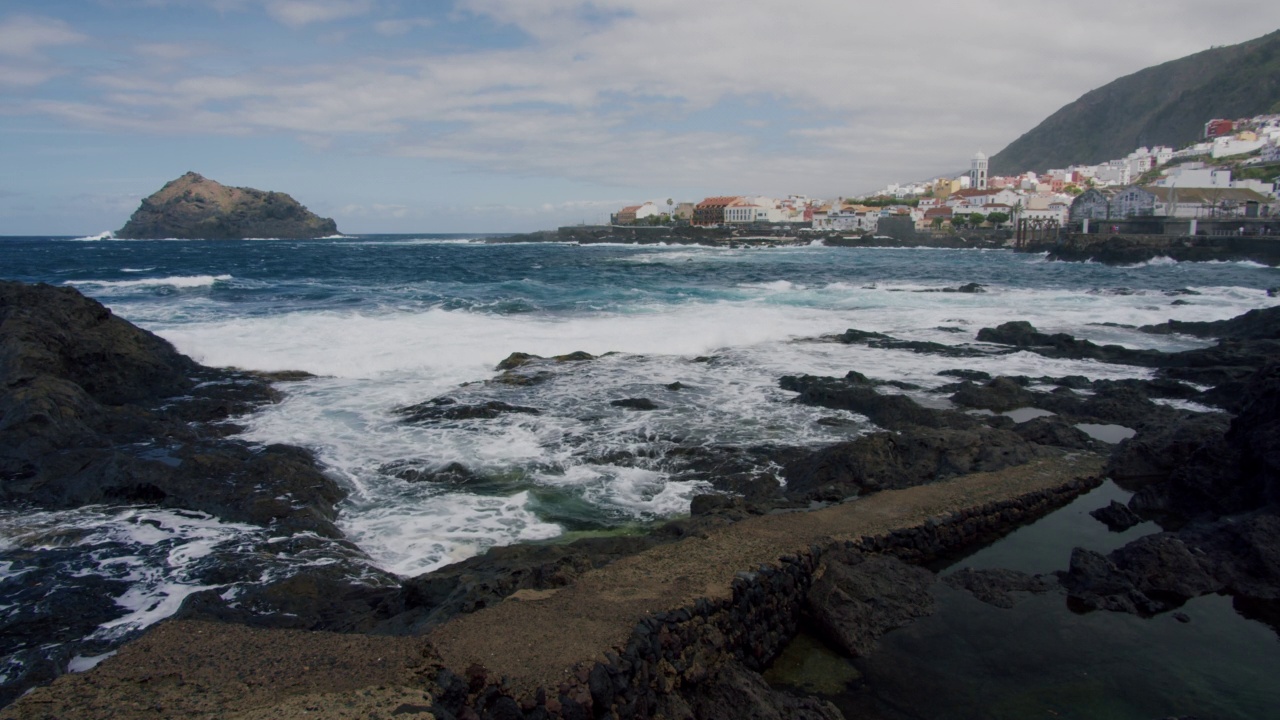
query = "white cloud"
{"x": 296, "y": 13}
{"x": 24, "y": 36}
{"x": 402, "y": 26}
{"x": 816, "y": 97}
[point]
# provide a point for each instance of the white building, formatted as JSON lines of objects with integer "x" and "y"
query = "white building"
{"x": 978, "y": 171}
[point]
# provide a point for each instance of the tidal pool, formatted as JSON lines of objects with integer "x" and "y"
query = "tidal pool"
{"x": 1042, "y": 660}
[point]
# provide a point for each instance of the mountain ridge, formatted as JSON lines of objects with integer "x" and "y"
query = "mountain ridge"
{"x": 1166, "y": 104}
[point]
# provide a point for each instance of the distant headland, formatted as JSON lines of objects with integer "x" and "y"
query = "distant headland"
{"x": 195, "y": 207}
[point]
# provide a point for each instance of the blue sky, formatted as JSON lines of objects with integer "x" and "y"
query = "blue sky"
{"x": 516, "y": 115}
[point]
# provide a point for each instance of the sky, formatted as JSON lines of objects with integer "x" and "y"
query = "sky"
{"x": 393, "y": 116}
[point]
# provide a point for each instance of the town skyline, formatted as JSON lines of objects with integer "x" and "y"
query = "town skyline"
{"x": 505, "y": 116}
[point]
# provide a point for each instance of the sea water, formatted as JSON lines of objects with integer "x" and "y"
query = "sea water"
{"x": 389, "y": 321}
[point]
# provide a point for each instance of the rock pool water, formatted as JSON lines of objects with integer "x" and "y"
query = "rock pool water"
{"x": 1042, "y": 660}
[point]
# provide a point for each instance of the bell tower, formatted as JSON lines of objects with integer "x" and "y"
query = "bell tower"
{"x": 978, "y": 172}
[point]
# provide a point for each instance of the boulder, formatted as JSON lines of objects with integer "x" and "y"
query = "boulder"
{"x": 856, "y": 598}
{"x": 1116, "y": 517}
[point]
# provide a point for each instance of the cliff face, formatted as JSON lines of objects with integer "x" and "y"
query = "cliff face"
{"x": 194, "y": 207}
{"x": 1167, "y": 104}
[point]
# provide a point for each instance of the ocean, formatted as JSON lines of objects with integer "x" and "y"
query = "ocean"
{"x": 388, "y": 321}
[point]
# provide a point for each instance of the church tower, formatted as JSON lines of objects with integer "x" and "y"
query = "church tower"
{"x": 978, "y": 172}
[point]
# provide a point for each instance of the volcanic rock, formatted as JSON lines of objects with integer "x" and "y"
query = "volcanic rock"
{"x": 997, "y": 586}
{"x": 441, "y": 409}
{"x": 1116, "y": 517}
{"x": 856, "y": 598}
{"x": 194, "y": 207}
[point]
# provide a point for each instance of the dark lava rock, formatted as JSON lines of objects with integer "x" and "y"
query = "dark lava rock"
{"x": 997, "y": 586}
{"x": 1022, "y": 334}
{"x": 911, "y": 456}
{"x": 452, "y": 474}
{"x": 1255, "y": 432}
{"x": 484, "y": 580}
{"x": 519, "y": 359}
{"x": 963, "y": 374}
{"x": 1095, "y": 583}
{"x": 732, "y": 692}
{"x": 442, "y": 409}
{"x": 677, "y": 386}
{"x": 56, "y": 337}
{"x": 999, "y": 395}
{"x": 856, "y": 598}
{"x": 855, "y": 394}
{"x": 1116, "y": 517}
{"x": 970, "y": 288}
{"x": 887, "y": 342}
{"x": 1239, "y": 556}
{"x": 193, "y": 207}
{"x": 1262, "y": 324}
{"x": 96, "y": 410}
{"x": 635, "y": 404}
{"x": 1053, "y": 431}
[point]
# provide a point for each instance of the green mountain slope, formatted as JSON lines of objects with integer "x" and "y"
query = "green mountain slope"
{"x": 1163, "y": 105}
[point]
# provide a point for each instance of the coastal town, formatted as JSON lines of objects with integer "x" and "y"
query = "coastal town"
{"x": 1231, "y": 172}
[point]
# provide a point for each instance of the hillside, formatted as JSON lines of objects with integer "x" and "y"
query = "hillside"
{"x": 194, "y": 207}
{"x": 1163, "y": 105}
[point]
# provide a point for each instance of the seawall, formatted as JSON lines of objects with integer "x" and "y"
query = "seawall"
{"x": 1131, "y": 248}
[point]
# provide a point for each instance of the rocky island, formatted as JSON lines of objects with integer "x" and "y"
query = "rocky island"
{"x": 194, "y": 207}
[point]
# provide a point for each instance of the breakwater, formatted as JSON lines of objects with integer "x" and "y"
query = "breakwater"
{"x": 1124, "y": 249}
{"x": 683, "y": 661}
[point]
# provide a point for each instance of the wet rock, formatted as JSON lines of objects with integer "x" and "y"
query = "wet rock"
{"x": 887, "y": 342}
{"x": 856, "y": 598}
{"x": 1022, "y": 334}
{"x": 515, "y": 360}
{"x": 443, "y": 409}
{"x": 677, "y": 386}
{"x": 1053, "y": 431}
{"x": 731, "y": 692}
{"x": 478, "y": 582}
{"x": 854, "y": 394}
{"x": 635, "y": 404}
{"x": 997, "y": 586}
{"x": 1116, "y": 517}
{"x": 1000, "y": 395}
{"x": 519, "y": 359}
{"x": 1255, "y": 432}
{"x": 964, "y": 374}
{"x": 453, "y": 473}
{"x": 1095, "y": 583}
{"x": 911, "y": 456}
{"x": 969, "y": 288}
{"x": 1261, "y": 324}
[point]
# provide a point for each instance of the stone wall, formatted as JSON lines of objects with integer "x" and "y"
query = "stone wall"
{"x": 673, "y": 653}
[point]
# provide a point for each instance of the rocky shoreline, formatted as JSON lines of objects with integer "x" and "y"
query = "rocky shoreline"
{"x": 97, "y": 411}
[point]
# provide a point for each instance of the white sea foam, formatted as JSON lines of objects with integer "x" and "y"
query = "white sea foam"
{"x": 411, "y": 537}
{"x": 152, "y": 550}
{"x": 177, "y": 281}
{"x": 95, "y": 238}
